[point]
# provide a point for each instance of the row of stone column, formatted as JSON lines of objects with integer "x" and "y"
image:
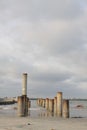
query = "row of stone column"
{"x": 58, "y": 106}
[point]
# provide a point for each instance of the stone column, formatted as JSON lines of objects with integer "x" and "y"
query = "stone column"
{"x": 66, "y": 108}
{"x": 55, "y": 105}
{"x": 24, "y": 84}
{"x": 47, "y": 104}
{"x": 59, "y": 104}
{"x": 51, "y": 105}
{"x": 20, "y": 106}
{"x": 43, "y": 104}
{"x": 25, "y": 105}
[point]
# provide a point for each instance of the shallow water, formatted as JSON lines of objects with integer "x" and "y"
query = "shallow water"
{"x": 78, "y": 111}
{"x": 36, "y": 111}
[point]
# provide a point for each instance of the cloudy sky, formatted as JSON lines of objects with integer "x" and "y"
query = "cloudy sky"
{"x": 48, "y": 40}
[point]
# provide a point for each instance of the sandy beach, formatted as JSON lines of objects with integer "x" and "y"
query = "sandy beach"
{"x": 40, "y": 119}
{"x": 51, "y": 123}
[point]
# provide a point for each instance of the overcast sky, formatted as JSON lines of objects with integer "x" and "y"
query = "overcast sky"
{"x": 48, "y": 40}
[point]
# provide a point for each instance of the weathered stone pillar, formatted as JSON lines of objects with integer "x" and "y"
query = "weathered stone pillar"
{"x": 66, "y": 108}
{"x": 25, "y": 105}
{"x": 51, "y": 105}
{"x": 43, "y": 103}
{"x": 20, "y": 106}
{"x": 24, "y": 84}
{"x": 55, "y": 105}
{"x": 23, "y": 100}
{"x": 59, "y": 104}
{"x": 39, "y": 101}
{"x": 47, "y": 104}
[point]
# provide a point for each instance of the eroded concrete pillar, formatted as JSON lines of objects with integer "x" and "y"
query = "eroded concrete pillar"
{"x": 43, "y": 103}
{"x": 51, "y": 105}
{"x": 25, "y": 105}
{"x": 24, "y": 84}
{"x": 47, "y": 104}
{"x": 23, "y": 100}
{"x": 20, "y": 106}
{"x": 59, "y": 104}
{"x": 55, "y": 105}
{"x": 66, "y": 108}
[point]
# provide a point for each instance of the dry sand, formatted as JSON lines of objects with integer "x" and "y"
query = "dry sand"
{"x": 40, "y": 123}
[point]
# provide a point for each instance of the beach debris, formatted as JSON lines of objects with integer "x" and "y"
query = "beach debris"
{"x": 77, "y": 117}
{"x": 79, "y": 106}
{"x": 29, "y": 124}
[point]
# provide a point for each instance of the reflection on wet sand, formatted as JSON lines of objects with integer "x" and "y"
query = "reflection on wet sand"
{"x": 46, "y": 114}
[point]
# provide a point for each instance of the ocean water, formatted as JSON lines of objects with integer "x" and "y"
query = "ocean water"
{"x": 78, "y": 111}
{"x": 37, "y": 111}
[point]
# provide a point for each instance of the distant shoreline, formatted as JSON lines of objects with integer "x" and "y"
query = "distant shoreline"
{"x": 78, "y": 99}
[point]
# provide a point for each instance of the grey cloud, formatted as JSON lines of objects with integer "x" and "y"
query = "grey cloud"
{"x": 61, "y": 42}
{"x": 80, "y": 79}
{"x": 69, "y": 90}
{"x": 37, "y": 9}
{"x": 68, "y": 43}
{"x": 46, "y": 39}
{"x": 50, "y": 76}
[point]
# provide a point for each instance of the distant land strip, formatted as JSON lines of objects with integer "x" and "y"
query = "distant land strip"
{"x": 8, "y": 101}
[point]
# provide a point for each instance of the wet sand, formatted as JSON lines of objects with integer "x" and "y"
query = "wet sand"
{"x": 42, "y": 123}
